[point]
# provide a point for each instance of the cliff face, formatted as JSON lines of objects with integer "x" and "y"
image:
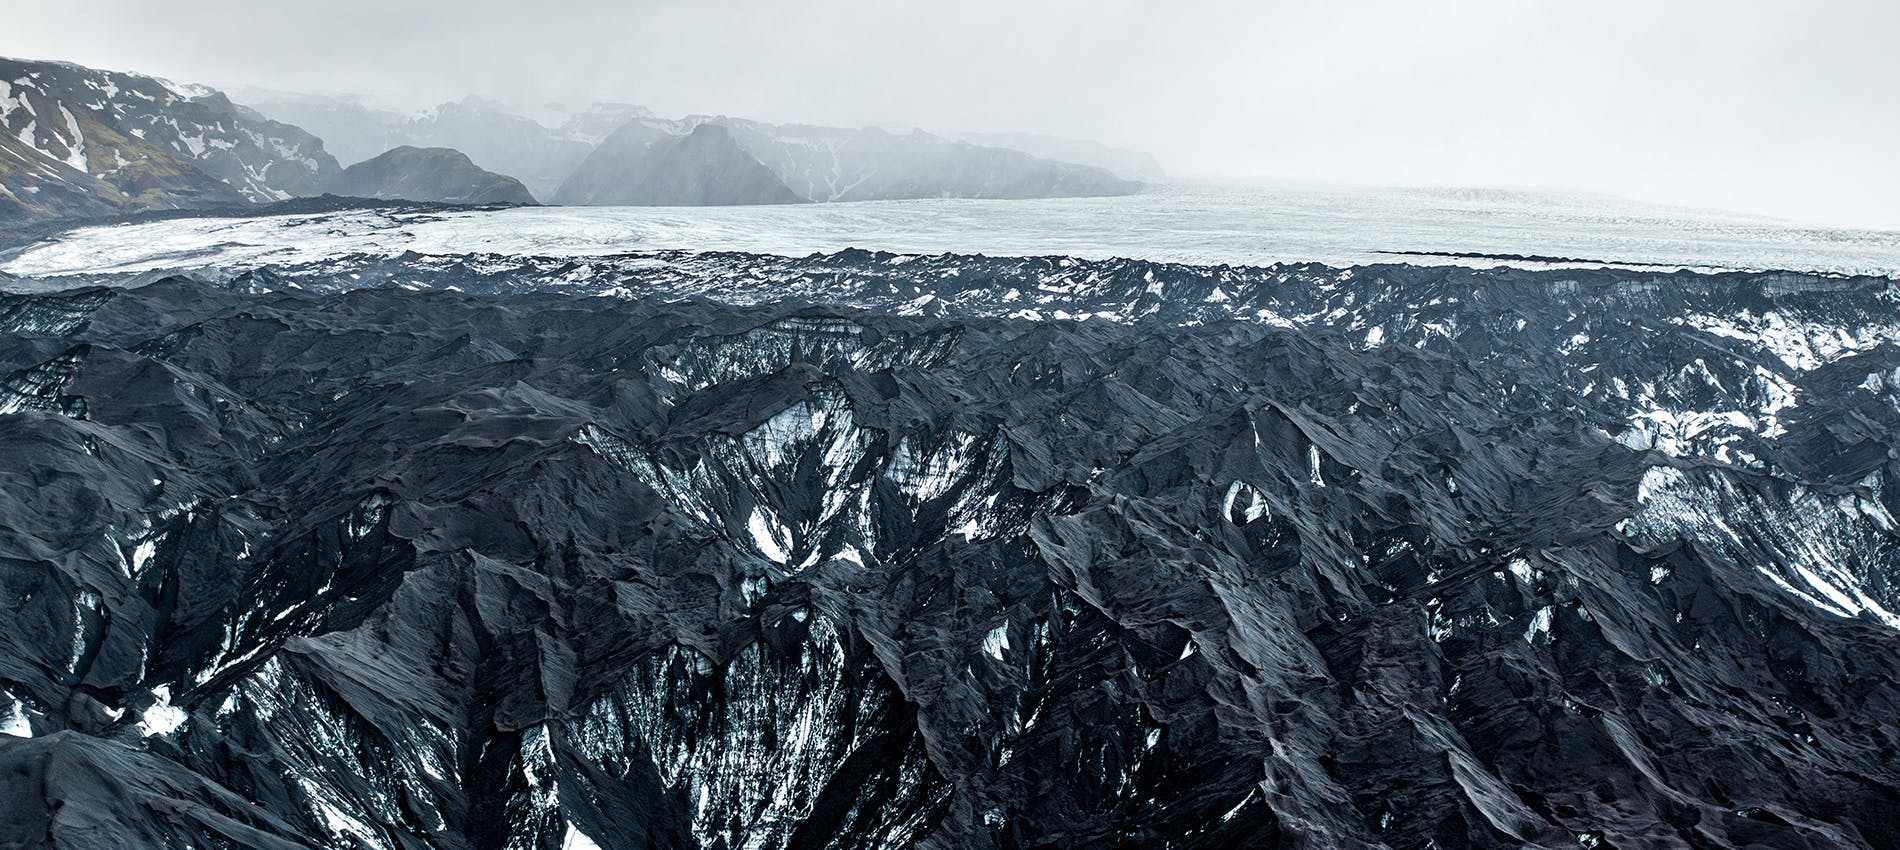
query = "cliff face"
{"x": 871, "y": 551}
{"x": 429, "y": 174}
{"x": 78, "y": 141}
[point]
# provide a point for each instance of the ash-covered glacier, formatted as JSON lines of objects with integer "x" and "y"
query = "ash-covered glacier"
{"x": 879, "y": 551}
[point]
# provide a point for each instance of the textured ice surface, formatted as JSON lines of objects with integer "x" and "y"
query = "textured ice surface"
{"x": 847, "y": 551}
{"x": 1196, "y": 224}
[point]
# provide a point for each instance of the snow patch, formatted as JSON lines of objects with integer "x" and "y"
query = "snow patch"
{"x": 15, "y": 722}
{"x": 162, "y": 718}
{"x": 575, "y": 839}
{"x": 997, "y": 641}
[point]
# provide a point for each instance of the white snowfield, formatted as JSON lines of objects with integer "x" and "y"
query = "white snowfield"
{"x": 1239, "y": 225}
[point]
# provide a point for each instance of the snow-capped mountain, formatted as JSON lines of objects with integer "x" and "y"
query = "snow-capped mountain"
{"x": 594, "y": 122}
{"x": 76, "y": 141}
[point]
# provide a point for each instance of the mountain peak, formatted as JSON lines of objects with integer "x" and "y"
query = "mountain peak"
{"x": 644, "y": 165}
{"x": 429, "y": 174}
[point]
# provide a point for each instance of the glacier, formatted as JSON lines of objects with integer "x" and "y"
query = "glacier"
{"x": 1195, "y": 224}
{"x": 348, "y": 545}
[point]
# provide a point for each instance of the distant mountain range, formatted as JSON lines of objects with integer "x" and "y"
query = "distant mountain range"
{"x": 1121, "y": 162}
{"x": 616, "y": 153}
{"x": 653, "y": 161}
{"x": 78, "y": 142}
{"x": 492, "y": 136}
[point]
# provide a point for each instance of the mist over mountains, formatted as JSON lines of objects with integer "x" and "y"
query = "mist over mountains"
{"x": 490, "y": 134}
{"x": 624, "y": 154}
{"x": 81, "y": 142}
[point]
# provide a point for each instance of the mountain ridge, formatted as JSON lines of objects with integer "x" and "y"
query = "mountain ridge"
{"x": 817, "y": 163}
{"x": 826, "y": 164}
{"x": 641, "y": 165}
{"x": 440, "y": 175}
{"x": 494, "y": 138}
{"x": 85, "y": 143}
{"x": 80, "y": 141}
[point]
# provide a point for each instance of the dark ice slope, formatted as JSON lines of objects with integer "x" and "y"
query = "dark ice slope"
{"x": 869, "y": 551}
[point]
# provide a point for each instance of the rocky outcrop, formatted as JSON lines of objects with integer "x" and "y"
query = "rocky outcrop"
{"x": 77, "y": 141}
{"x": 429, "y": 174}
{"x": 868, "y": 551}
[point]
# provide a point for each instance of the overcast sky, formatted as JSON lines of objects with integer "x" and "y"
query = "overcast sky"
{"x": 1784, "y": 108}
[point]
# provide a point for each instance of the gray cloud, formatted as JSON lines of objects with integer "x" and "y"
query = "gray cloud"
{"x": 1784, "y": 108}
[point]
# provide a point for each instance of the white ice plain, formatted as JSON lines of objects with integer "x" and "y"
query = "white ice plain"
{"x": 1203, "y": 224}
